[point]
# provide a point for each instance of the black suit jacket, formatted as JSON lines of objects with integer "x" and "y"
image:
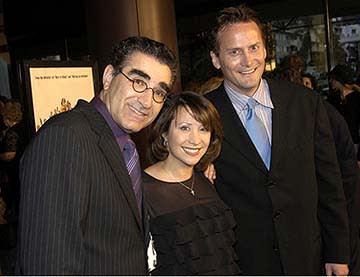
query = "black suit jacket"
{"x": 350, "y": 174}
{"x": 291, "y": 218}
{"x": 78, "y": 212}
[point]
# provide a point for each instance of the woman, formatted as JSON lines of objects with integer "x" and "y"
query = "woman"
{"x": 191, "y": 228}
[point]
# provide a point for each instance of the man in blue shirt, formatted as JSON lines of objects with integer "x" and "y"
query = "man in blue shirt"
{"x": 285, "y": 191}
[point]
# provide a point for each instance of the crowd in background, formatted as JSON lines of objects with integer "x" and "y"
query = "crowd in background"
{"x": 11, "y": 148}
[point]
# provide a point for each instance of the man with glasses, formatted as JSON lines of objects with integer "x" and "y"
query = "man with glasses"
{"x": 81, "y": 198}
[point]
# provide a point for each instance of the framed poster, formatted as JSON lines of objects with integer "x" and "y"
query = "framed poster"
{"x": 52, "y": 87}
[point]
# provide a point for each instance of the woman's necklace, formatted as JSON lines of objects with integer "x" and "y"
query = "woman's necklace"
{"x": 191, "y": 188}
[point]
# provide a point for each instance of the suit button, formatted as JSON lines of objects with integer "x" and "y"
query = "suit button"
{"x": 277, "y": 214}
{"x": 275, "y": 248}
{"x": 271, "y": 184}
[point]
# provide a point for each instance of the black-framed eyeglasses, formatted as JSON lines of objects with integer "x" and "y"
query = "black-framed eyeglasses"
{"x": 158, "y": 94}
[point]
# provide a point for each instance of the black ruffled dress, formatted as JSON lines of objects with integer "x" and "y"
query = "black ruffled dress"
{"x": 192, "y": 234}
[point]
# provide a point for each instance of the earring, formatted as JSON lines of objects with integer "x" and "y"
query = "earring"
{"x": 165, "y": 143}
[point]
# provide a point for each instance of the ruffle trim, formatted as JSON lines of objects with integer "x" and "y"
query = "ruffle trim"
{"x": 202, "y": 269}
{"x": 198, "y": 241}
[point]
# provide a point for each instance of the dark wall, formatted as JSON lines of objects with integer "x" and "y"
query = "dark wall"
{"x": 108, "y": 22}
{"x": 40, "y": 28}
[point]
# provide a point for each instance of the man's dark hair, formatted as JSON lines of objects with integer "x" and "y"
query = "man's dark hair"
{"x": 343, "y": 74}
{"x": 125, "y": 48}
{"x": 229, "y": 16}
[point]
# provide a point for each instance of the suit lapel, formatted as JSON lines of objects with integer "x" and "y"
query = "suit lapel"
{"x": 278, "y": 121}
{"x": 108, "y": 145}
{"x": 235, "y": 133}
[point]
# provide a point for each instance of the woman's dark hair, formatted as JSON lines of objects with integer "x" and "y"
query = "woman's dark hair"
{"x": 202, "y": 110}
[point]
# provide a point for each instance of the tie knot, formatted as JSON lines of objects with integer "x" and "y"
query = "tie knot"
{"x": 251, "y": 103}
{"x": 129, "y": 145}
{"x": 250, "y": 106}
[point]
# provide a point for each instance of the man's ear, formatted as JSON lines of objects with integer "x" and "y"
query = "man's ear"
{"x": 215, "y": 60}
{"x": 108, "y": 76}
{"x": 265, "y": 53}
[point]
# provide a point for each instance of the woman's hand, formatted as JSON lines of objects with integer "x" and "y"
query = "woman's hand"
{"x": 210, "y": 173}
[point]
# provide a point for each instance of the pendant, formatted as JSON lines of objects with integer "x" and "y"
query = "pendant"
{"x": 192, "y": 192}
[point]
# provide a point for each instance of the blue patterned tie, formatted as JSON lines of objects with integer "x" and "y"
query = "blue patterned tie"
{"x": 257, "y": 133}
{"x": 133, "y": 166}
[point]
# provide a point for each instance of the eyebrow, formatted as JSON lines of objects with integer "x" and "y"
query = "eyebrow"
{"x": 144, "y": 75}
{"x": 241, "y": 48}
{"x": 255, "y": 44}
{"x": 139, "y": 73}
{"x": 233, "y": 48}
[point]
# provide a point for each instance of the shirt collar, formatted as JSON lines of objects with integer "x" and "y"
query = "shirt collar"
{"x": 261, "y": 95}
{"x": 120, "y": 134}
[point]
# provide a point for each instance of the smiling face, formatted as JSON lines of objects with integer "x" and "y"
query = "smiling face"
{"x": 241, "y": 56}
{"x": 188, "y": 140}
{"x": 131, "y": 110}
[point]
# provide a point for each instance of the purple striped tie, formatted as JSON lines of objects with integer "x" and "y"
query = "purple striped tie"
{"x": 133, "y": 166}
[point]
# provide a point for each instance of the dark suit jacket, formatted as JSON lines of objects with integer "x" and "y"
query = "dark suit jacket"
{"x": 350, "y": 174}
{"x": 292, "y": 217}
{"x": 78, "y": 210}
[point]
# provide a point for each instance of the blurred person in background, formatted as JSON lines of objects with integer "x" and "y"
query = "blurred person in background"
{"x": 342, "y": 81}
{"x": 308, "y": 81}
{"x": 11, "y": 148}
{"x": 350, "y": 174}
